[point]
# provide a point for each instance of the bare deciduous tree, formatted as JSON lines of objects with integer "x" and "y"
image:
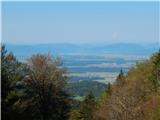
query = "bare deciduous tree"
{"x": 46, "y": 81}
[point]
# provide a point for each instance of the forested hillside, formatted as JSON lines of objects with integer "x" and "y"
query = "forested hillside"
{"x": 37, "y": 90}
{"x": 134, "y": 96}
{"x": 82, "y": 88}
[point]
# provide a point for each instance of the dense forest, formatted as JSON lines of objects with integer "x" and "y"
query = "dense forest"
{"x": 37, "y": 90}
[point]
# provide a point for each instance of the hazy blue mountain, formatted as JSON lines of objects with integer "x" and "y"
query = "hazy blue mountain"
{"x": 130, "y": 48}
{"x": 118, "y": 48}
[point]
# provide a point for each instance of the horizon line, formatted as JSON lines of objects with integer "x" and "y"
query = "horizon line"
{"x": 91, "y": 43}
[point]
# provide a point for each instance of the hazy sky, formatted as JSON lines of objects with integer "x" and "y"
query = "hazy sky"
{"x": 79, "y": 22}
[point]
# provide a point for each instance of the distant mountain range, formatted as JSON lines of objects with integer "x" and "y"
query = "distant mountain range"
{"x": 63, "y": 48}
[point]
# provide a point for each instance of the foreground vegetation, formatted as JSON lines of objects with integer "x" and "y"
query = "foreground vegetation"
{"x": 38, "y": 90}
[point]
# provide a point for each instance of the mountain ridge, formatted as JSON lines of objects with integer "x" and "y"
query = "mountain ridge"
{"x": 115, "y": 48}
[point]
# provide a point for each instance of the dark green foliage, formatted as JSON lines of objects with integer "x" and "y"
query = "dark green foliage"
{"x": 10, "y": 77}
{"x": 120, "y": 81}
{"x": 82, "y": 88}
{"x": 109, "y": 89}
{"x": 87, "y": 107}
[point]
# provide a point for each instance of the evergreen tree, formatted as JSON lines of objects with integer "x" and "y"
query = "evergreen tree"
{"x": 10, "y": 82}
{"x": 109, "y": 89}
{"x": 120, "y": 80}
{"x": 87, "y": 107}
{"x": 105, "y": 95}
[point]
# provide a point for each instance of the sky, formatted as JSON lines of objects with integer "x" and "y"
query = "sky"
{"x": 80, "y": 22}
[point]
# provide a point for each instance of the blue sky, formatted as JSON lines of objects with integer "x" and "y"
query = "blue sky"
{"x": 80, "y": 22}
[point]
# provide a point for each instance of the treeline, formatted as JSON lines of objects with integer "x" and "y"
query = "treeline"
{"x": 36, "y": 90}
